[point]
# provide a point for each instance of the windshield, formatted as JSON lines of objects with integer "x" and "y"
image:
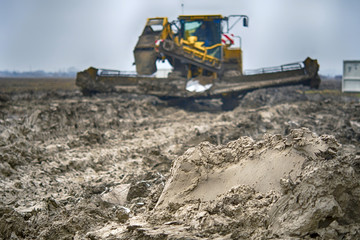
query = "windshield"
{"x": 208, "y": 32}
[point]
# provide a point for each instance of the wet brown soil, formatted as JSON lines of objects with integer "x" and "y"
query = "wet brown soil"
{"x": 135, "y": 167}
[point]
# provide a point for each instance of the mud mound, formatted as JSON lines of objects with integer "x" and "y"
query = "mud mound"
{"x": 280, "y": 187}
{"x": 207, "y": 171}
{"x": 271, "y": 96}
{"x": 291, "y": 94}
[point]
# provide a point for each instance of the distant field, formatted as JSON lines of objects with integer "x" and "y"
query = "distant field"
{"x": 17, "y": 85}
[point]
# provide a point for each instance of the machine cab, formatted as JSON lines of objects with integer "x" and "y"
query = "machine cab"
{"x": 203, "y": 29}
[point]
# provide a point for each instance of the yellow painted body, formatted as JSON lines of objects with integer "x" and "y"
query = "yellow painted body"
{"x": 235, "y": 55}
{"x": 196, "y": 48}
{"x": 200, "y": 17}
{"x": 190, "y": 44}
{"x": 166, "y": 31}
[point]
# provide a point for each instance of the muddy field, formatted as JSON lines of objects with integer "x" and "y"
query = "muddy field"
{"x": 284, "y": 164}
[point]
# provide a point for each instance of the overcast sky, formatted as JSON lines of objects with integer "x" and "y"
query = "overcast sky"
{"x": 54, "y": 35}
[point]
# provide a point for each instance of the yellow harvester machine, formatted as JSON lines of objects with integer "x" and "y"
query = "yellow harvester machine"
{"x": 205, "y": 63}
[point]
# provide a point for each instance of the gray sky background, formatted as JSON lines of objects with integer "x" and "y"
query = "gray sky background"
{"x": 54, "y": 35}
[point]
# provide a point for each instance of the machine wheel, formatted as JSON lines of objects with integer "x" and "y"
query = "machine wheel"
{"x": 229, "y": 103}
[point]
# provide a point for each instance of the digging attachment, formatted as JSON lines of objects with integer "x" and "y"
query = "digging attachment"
{"x": 228, "y": 89}
{"x": 144, "y": 51}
